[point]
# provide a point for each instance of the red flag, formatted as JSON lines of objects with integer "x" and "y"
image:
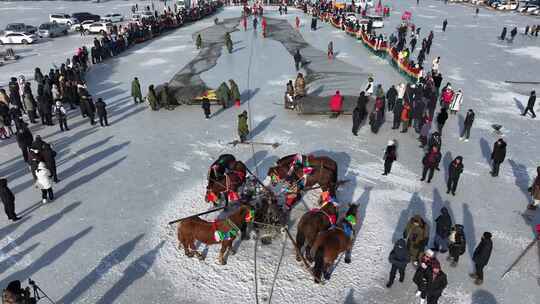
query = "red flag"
{"x": 379, "y": 8}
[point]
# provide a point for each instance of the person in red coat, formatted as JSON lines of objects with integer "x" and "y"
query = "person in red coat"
{"x": 244, "y": 22}
{"x": 297, "y": 23}
{"x": 264, "y": 24}
{"x": 336, "y": 103}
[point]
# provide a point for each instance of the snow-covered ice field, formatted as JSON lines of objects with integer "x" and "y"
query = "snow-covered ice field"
{"x": 105, "y": 239}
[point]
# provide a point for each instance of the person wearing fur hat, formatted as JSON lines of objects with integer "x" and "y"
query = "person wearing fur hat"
{"x": 417, "y": 234}
{"x": 481, "y": 256}
{"x": 44, "y": 182}
{"x": 436, "y": 284}
{"x": 422, "y": 274}
{"x": 454, "y": 171}
{"x": 534, "y": 189}
{"x": 390, "y": 155}
{"x": 399, "y": 258}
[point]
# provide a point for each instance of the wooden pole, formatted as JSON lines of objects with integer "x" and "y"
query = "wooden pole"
{"x": 198, "y": 214}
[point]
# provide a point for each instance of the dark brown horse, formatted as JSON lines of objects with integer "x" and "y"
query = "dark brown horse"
{"x": 314, "y": 161}
{"x": 229, "y": 181}
{"x": 223, "y": 231}
{"x": 311, "y": 223}
{"x": 331, "y": 243}
{"x": 324, "y": 177}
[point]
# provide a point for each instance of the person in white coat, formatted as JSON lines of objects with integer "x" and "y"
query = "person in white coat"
{"x": 44, "y": 182}
{"x": 435, "y": 65}
{"x": 456, "y": 102}
{"x": 401, "y": 92}
{"x": 369, "y": 87}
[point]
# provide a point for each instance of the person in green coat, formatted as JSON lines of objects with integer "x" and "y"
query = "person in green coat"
{"x": 228, "y": 42}
{"x": 243, "y": 129}
{"x": 198, "y": 42}
{"x": 164, "y": 98}
{"x": 235, "y": 92}
{"x": 136, "y": 90}
{"x": 152, "y": 98}
{"x": 223, "y": 94}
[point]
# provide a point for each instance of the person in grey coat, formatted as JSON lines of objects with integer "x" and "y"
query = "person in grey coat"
{"x": 399, "y": 258}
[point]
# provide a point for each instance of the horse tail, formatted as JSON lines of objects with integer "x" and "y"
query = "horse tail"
{"x": 319, "y": 262}
{"x": 300, "y": 239}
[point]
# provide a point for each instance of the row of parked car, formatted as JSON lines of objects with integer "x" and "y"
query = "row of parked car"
{"x": 60, "y": 25}
{"x": 526, "y": 7}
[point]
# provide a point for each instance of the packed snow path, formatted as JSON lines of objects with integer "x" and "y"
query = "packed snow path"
{"x": 105, "y": 240}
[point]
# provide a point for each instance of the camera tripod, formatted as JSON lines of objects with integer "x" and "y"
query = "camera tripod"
{"x": 38, "y": 292}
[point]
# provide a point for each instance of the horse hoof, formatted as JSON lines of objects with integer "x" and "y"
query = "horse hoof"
{"x": 347, "y": 260}
{"x": 189, "y": 255}
{"x": 201, "y": 257}
{"x": 298, "y": 258}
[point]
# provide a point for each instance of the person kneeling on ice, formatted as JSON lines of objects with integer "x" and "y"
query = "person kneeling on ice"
{"x": 534, "y": 189}
{"x": 336, "y": 104}
{"x": 243, "y": 129}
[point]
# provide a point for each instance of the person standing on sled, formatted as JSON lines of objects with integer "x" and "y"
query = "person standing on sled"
{"x": 243, "y": 129}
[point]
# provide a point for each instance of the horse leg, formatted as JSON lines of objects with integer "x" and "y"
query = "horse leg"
{"x": 348, "y": 256}
{"x": 308, "y": 253}
{"x": 222, "y": 253}
{"x": 300, "y": 238}
{"x": 243, "y": 232}
{"x": 188, "y": 246}
{"x": 326, "y": 271}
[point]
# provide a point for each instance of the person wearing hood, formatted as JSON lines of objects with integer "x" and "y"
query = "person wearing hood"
{"x": 336, "y": 104}
{"x": 390, "y": 155}
{"x": 224, "y": 95}
{"x": 398, "y": 107}
{"x": 243, "y": 128}
{"x": 48, "y": 156}
{"x": 44, "y": 182}
{"x": 369, "y": 87}
{"x": 454, "y": 172}
{"x": 503, "y": 33}
{"x": 424, "y": 131}
{"x": 497, "y": 156}
{"x": 30, "y": 103}
{"x": 24, "y": 140}
{"x": 8, "y": 199}
{"x": 442, "y": 231}
{"x": 430, "y": 162}
{"x": 417, "y": 235}
{"x": 165, "y": 98}
{"x": 235, "y": 92}
{"x": 91, "y": 111}
{"x": 422, "y": 274}
{"x": 14, "y": 93}
{"x": 136, "y": 91}
{"x": 435, "y": 140}
{"x": 467, "y": 125}
{"x": 297, "y": 59}
{"x": 405, "y": 117}
{"x": 101, "y": 108}
{"x": 34, "y": 158}
{"x": 534, "y": 189}
{"x": 441, "y": 119}
{"x": 299, "y": 86}
{"x": 399, "y": 258}
{"x": 205, "y": 105}
{"x": 152, "y": 98}
{"x": 457, "y": 244}
{"x": 436, "y": 283}
{"x": 481, "y": 256}
{"x": 391, "y": 96}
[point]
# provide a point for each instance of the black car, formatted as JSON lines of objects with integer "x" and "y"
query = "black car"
{"x": 86, "y": 16}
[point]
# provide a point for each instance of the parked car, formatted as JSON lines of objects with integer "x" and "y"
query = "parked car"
{"x": 528, "y": 8}
{"x": 86, "y": 16}
{"x": 504, "y": 5}
{"x": 115, "y": 17}
{"x": 99, "y": 28}
{"x": 81, "y": 26}
{"x": 138, "y": 16}
{"x": 52, "y": 29}
{"x": 17, "y": 38}
{"x": 20, "y": 28}
{"x": 62, "y": 19}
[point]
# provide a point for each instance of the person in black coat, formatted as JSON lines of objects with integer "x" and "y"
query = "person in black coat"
{"x": 297, "y": 59}
{"x": 49, "y": 158}
{"x": 436, "y": 284}
{"x": 14, "y": 95}
{"x": 399, "y": 258}
{"x": 8, "y": 199}
{"x": 481, "y": 256}
{"x": 530, "y": 105}
{"x": 34, "y": 158}
{"x": 361, "y": 104}
{"x": 206, "y": 107}
{"x": 441, "y": 119}
{"x": 503, "y": 33}
{"x": 390, "y": 155}
{"x": 422, "y": 276}
{"x": 431, "y": 162}
{"x": 442, "y": 231}
{"x": 454, "y": 171}
{"x": 467, "y": 125}
{"x": 497, "y": 156}
{"x": 391, "y": 96}
{"x": 357, "y": 119}
{"x": 45, "y": 110}
{"x": 457, "y": 244}
{"x": 398, "y": 107}
{"x": 24, "y": 140}
{"x": 102, "y": 112}
{"x": 437, "y": 80}
{"x": 91, "y": 111}
{"x": 435, "y": 140}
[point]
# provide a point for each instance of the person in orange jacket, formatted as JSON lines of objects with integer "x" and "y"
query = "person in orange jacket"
{"x": 405, "y": 117}
{"x": 336, "y": 104}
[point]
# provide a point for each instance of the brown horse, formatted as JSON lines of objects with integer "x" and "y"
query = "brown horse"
{"x": 331, "y": 243}
{"x": 311, "y": 223}
{"x": 231, "y": 180}
{"x": 223, "y": 231}
{"x": 314, "y": 161}
{"x": 324, "y": 177}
